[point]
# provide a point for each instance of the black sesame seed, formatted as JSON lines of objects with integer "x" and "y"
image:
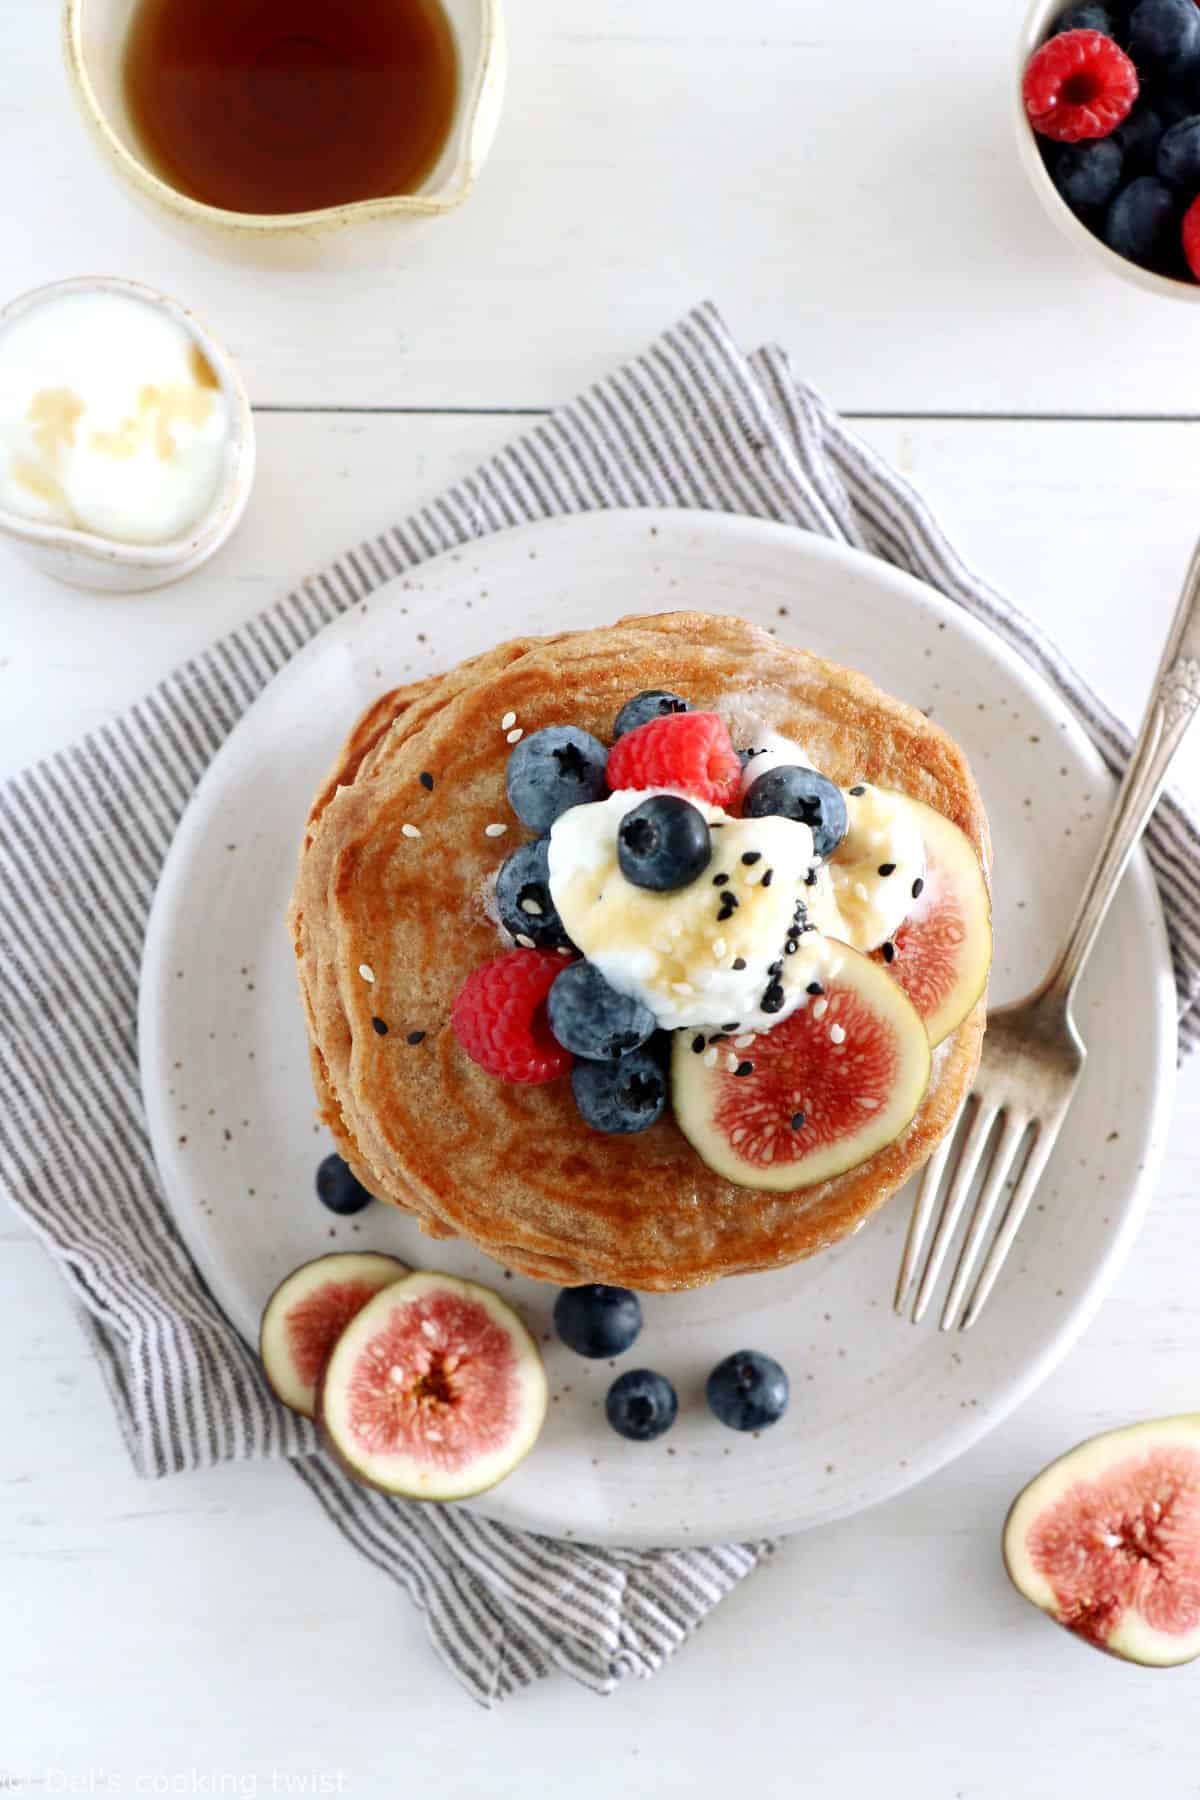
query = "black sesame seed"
{"x": 768, "y": 878}
{"x": 799, "y": 1121}
{"x": 380, "y": 1027}
{"x": 810, "y": 880}
{"x": 717, "y": 825}
{"x": 732, "y": 1027}
{"x": 918, "y": 888}
{"x": 775, "y": 968}
{"x": 887, "y": 868}
{"x": 889, "y": 953}
{"x": 739, "y": 962}
{"x": 750, "y": 857}
{"x": 415, "y": 1037}
{"x": 814, "y": 987}
{"x": 744, "y": 1068}
{"x": 698, "y": 1043}
{"x": 720, "y": 880}
{"x": 856, "y": 791}
{"x": 772, "y": 1000}
{"x": 426, "y": 780}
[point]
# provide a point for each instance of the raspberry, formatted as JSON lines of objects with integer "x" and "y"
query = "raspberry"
{"x": 688, "y": 752}
{"x": 1191, "y": 237}
{"x": 500, "y": 1020}
{"x": 1079, "y": 85}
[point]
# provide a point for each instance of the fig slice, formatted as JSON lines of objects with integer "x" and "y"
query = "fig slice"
{"x": 1106, "y": 1541}
{"x": 308, "y": 1312}
{"x": 435, "y": 1390}
{"x": 943, "y": 951}
{"x": 826, "y": 1088}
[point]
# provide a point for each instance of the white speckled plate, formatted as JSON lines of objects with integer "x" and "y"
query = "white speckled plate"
{"x": 876, "y": 1403}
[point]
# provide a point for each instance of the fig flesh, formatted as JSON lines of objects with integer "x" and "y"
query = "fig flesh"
{"x": 942, "y": 953}
{"x": 1106, "y": 1541}
{"x": 308, "y": 1312}
{"x": 816, "y": 1095}
{"x": 435, "y": 1390}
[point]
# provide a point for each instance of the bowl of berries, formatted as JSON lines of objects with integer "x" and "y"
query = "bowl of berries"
{"x": 1108, "y": 99}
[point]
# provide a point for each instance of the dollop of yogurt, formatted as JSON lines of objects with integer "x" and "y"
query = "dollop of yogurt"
{"x": 712, "y": 953}
{"x": 111, "y": 419}
{"x": 865, "y": 892}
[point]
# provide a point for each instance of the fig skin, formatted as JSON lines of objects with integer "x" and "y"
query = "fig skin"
{"x": 1090, "y": 1462}
{"x": 369, "y": 1266}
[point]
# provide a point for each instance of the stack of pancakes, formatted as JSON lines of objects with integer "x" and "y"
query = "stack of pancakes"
{"x": 392, "y": 910}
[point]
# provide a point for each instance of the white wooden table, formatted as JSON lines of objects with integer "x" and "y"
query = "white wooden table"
{"x": 841, "y": 179}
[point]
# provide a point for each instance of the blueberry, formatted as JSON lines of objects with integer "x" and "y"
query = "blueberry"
{"x": 552, "y": 771}
{"x": 663, "y": 844}
{"x": 339, "y": 1188}
{"x": 1087, "y": 175}
{"x": 1179, "y": 154}
{"x": 655, "y": 703}
{"x": 1142, "y": 222}
{"x": 590, "y": 1018}
{"x": 797, "y": 793}
{"x": 523, "y": 896}
{"x": 641, "y": 1405}
{"x": 747, "y": 1391}
{"x": 1138, "y": 139}
{"x": 596, "y": 1320}
{"x": 1086, "y": 18}
{"x": 620, "y": 1097}
{"x": 1165, "y": 35}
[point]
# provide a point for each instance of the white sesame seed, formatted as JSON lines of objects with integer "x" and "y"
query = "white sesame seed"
{"x": 509, "y": 720}
{"x": 515, "y": 736}
{"x": 719, "y": 948}
{"x": 564, "y": 949}
{"x": 836, "y": 967}
{"x": 740, "y": 1043}
{"x": 709, "y": 1059}
{"x": 860, "y": 889}
{"x": 428, "y": 1328}
{"x": 821, "y": 1008}
{"x": 525, "y": 941}
{"x": 838, "y": 1033}
{"x": 731, "y": 1062}
{"x": 533, "y": 907}
{"x": 682, "y": 987}
{"x": 366, "y": 971}
{"x": 494, "y": 830}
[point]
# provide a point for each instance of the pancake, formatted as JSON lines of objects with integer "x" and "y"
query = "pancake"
{"x": 514, "y": 1169}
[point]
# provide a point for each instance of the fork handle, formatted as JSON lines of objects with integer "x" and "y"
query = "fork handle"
{"x": 1174, "y": 700}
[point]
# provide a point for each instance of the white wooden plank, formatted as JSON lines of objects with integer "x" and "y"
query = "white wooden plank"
{"x": 841, "y": 178}
{"x": 1088, "y": 527}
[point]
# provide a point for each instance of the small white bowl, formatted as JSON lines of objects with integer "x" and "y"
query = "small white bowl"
{"x": 1038, "y": 20}
{"x": 85, "y": 560}
{"x": 94, "y": 34}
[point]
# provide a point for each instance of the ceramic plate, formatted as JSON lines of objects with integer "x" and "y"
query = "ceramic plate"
{"x": 876, "y": 1402}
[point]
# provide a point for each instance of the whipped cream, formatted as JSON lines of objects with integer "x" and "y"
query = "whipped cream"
{"x": 853, "y": 899}
{"x": 111, "y": 419}
{"x": 676, "y": 952}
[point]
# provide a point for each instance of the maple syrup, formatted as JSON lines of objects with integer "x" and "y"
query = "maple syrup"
{"x": 283, "y": 106}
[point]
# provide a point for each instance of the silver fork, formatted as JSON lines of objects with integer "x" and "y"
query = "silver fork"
{"x": 1033, "y": 1055}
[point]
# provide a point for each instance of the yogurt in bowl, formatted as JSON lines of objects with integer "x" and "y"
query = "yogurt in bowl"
{"x": 126, "y": 440}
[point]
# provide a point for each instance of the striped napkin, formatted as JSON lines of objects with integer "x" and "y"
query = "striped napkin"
{"x": 693, "y": 422}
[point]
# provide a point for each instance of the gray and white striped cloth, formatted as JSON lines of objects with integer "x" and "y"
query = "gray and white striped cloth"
{"x": 692, "y": 423}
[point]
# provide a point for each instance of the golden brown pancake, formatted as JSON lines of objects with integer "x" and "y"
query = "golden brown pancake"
{"x": 514, "y": 1168}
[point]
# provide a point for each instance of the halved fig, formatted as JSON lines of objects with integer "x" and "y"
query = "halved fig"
{"x": 308, "y": 1312}
{"x": 436, "y": 1390}
{"x": 943, "y": 951}
{"x": 824, "y": 1090}
{"x": 1106, "y": 1541}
